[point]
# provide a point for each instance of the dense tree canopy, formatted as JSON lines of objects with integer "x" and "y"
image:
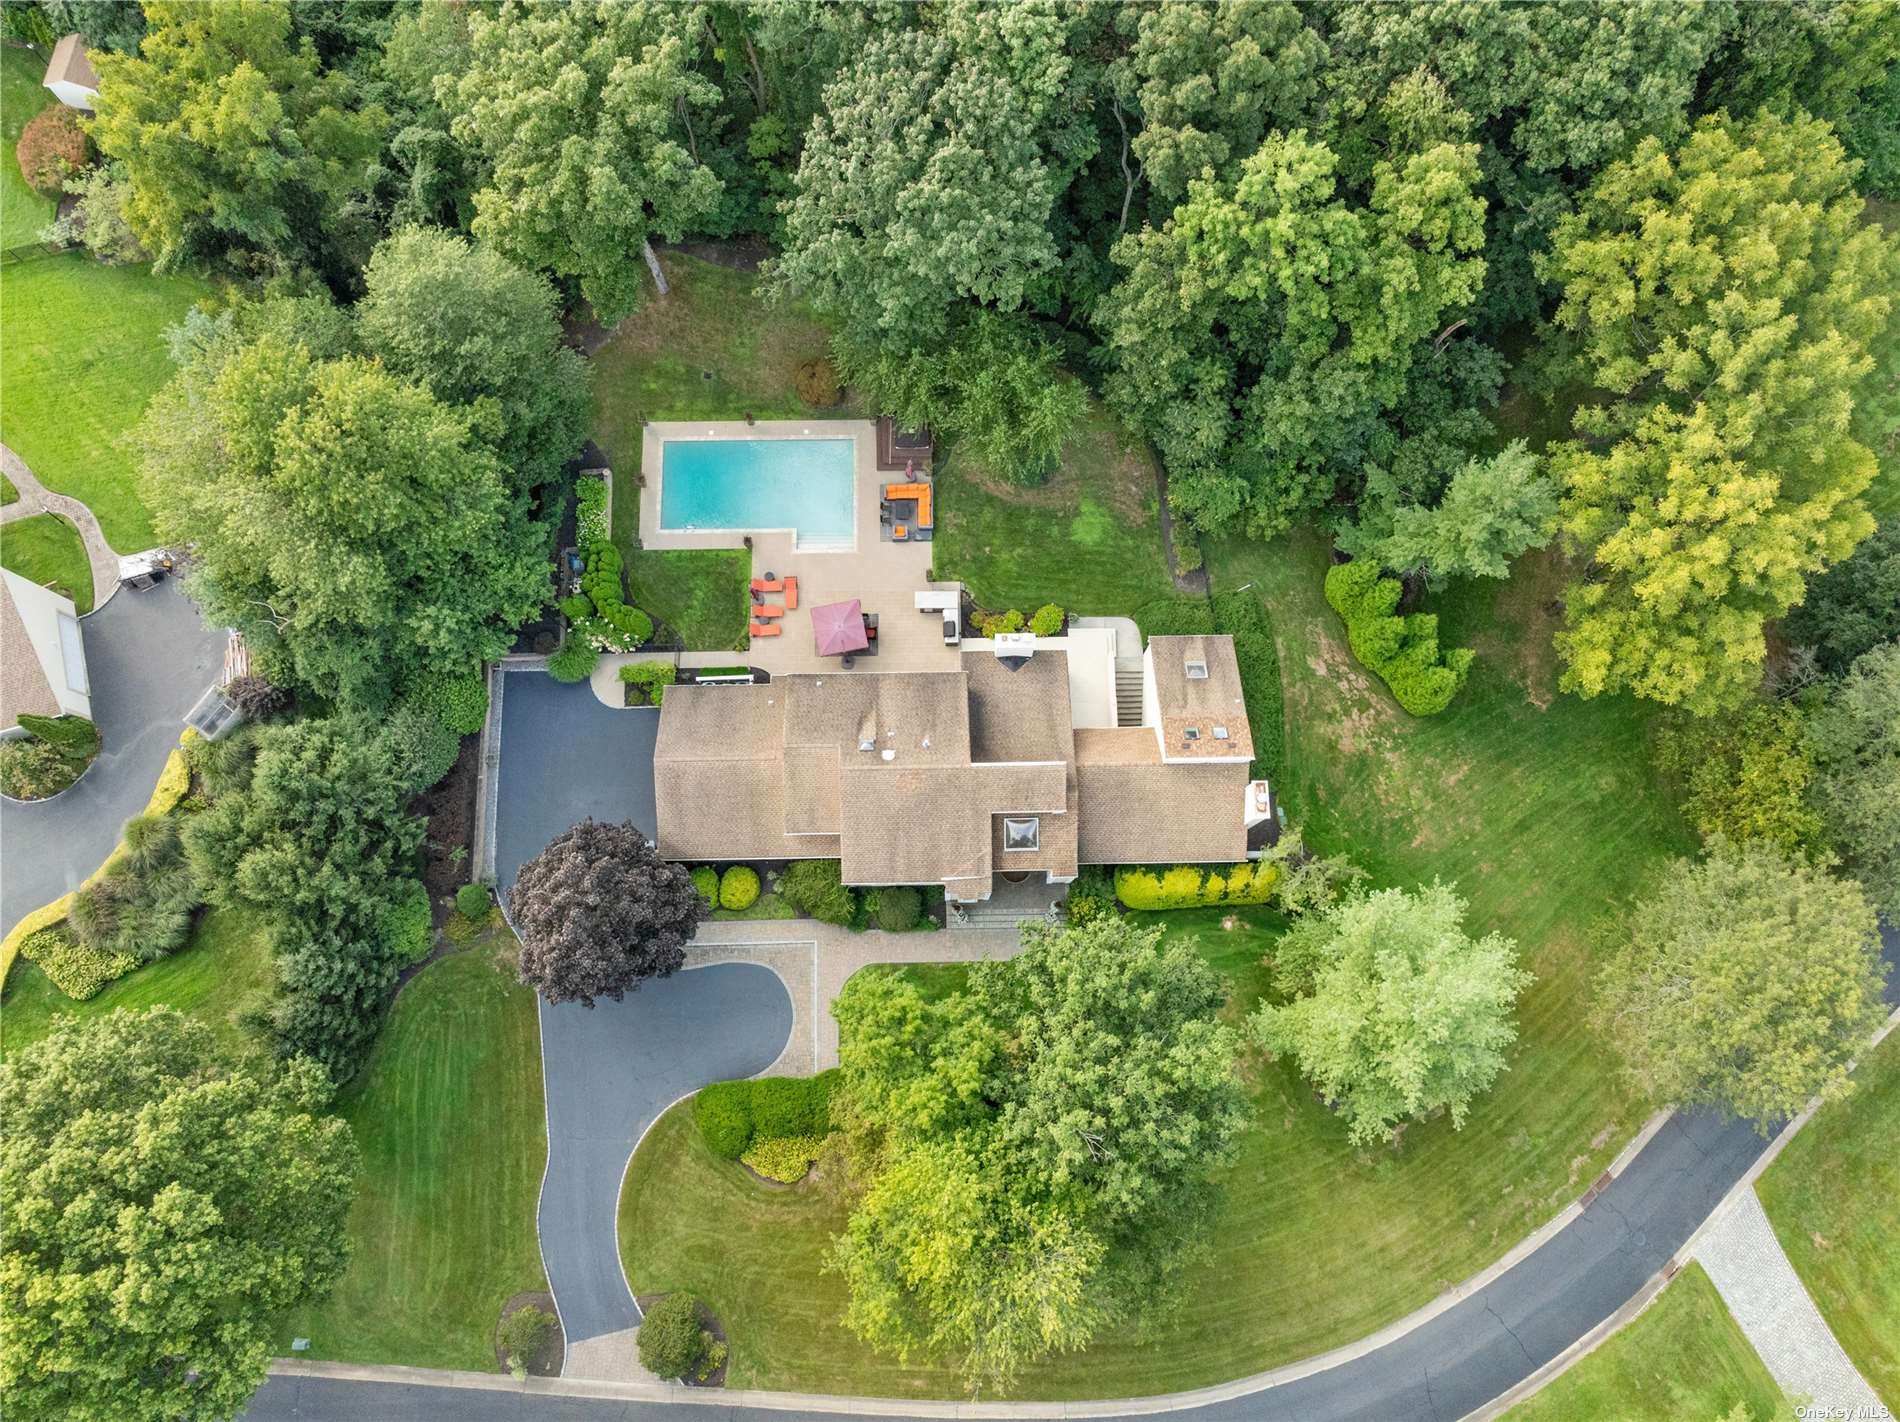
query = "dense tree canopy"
{"x": 1855, "y": 740}
{"x": 1729, "y": 296}
{"x": 586, "y": 116}
{"x": 236, "y": 144}
{"x": 1747, "y": 982}
{"x": 599, "y": 912}
{"x": 1039, "y": 1146}
{"x": 1854, "y": 606}
{"x": 165, "y": 1206}
{"x": 1262, "y": 334}
{"x": 359, "y": 531}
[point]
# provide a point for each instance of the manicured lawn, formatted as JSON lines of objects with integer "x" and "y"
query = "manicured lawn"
{"x": 23, "y": 212}
{"x": 222, "y": 973}
{"x": 48, "y": 550}
{"x": 448, "y": 1117}
{"x": 768, "y": 905}
{"x": 710, "y": 349}
{"x": 1834, "y": 1200}
{"x": 1683, "y": 1357}
{"x": 82, "y": 353}
{"x": 8, "y": 493}
{"x": 1086, "y": 539}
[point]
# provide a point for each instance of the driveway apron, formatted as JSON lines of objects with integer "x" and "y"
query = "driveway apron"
{"x": 149, "y": 657}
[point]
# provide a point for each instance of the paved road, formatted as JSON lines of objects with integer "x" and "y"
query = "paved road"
{"x": 150, "y": 658}
{"x": 611, "y": 1070}
{"x": 564, "y": 757}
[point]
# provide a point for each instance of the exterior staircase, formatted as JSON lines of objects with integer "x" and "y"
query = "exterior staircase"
{"x": 1128, "y": 691}
{"x": 1008, "y": 904}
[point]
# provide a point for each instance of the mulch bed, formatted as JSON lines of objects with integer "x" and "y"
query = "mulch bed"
{"x": 709, "y": 1321}
{"x": 450, "y": 808}
{"x": 547, "y": 1362}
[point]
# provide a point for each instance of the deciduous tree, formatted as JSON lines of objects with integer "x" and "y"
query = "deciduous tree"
{"x": 1855, "y": 605}
{"x": 234, "y": 141}
{"x": 1746, "y": 982}
{"x": 165, "y": 1206}
{"x": 1746, "y": 775}
{"x": 1855, "y": 739}
{"x": 1399, "y": 1013}
{"x": 599, "y": 912}
{"x": 1728, "y": 295}
{"x": 1492, "y": 510}
{"x": 588, "y": 116}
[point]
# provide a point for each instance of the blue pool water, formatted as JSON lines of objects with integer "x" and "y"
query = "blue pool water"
{"x": 802, "y": 484}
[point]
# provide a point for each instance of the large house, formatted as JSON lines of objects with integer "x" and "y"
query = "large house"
{"x": 1014, "y": 758}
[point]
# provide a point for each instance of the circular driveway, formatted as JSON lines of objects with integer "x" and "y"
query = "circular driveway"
{"x": 149, "y": 657}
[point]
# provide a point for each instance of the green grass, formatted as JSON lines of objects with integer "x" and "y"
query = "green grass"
{"x": 1086, "y": 539}
{"x": 218, "y": 976}
{"x": 448, "y": 1116}
{"x": 1834, "y": 1200}
{"x": 1682, "y": 1357}
{"x": 48, "y": 550}
{"x": 709, "y": 350}
{"x": 81, "y": 354}
{"x": 23, "y": 212}
{"x": 8, "y": 493}
{"x": 768, "y": 905}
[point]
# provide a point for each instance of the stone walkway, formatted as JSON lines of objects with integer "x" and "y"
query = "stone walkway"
{"x": 1776, "y": 1314}
{"x": 815, "y": 959}
{"x": 36, "y": 498}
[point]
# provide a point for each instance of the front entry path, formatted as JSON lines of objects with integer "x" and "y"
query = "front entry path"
{"x": 36, "y": 498}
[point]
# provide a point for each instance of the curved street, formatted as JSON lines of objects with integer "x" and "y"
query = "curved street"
{"x": 150, "y": 657}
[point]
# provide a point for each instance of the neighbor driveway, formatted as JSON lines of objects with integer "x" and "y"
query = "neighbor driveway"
{"x": 150, "y": 657}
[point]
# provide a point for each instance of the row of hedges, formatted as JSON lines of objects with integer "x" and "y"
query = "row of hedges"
{"x": 733, "y": 1114}
{"x": 600, "y": 612}
{"x": 1195, "y": 885}
{"x": 1045, "y": 621}
{"x": 1401, "y": 651}
{"x": 1239, "y": 615}
{"x": 737, "y": 888}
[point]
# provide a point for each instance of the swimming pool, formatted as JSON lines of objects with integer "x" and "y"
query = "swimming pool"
{"x": 802, "y": 484}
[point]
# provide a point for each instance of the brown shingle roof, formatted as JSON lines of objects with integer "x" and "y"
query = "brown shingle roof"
{"x": 1202, "y": 704}
{"x": 24, "y": 686}
{"x": 1134, "y": 809}
{"x": 69, "y": 64}
{"x": 1021, "y": 714}
{"x": 925, "y": 824}
{"x": 811, "y": 790}
{"x": 900, "y": 710}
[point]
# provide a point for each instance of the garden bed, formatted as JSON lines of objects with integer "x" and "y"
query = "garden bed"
{"x": 450, "y": 808}
{"x": 709, "y": 1321}
{"x": 553, "y": 1353}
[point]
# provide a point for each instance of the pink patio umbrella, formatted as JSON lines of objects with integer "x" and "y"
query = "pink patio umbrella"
{"x": 838, "y": 627}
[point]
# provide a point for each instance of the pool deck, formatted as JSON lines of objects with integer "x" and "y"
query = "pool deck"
{"x": 883, "y": 576}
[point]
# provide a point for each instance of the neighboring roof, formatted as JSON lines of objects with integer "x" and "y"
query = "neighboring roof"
{"x": 1135, "y": 809}
{"x": 26, "y": 682}
{"x": 69, "y": 65}
{"x": 36, "y": 677}
{"x": 1204, "y": 704}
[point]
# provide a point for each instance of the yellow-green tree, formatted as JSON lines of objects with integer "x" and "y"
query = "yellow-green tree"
{"x": 1729, "y": 298}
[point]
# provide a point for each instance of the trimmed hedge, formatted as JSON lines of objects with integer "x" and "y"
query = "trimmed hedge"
{"x": 706, "y": 880}
{"x": 74, "y": 969}
{"x": 590, "y": 511}
{"x": 474, "y": 900}
{"x": 733, "y": 1114}
{"x": 1091, "y": 894}
{"x": 1047, "y": 620}
{"x": 1402, "y": 651}
{"x": 899, "y": 910}
{"x": 72, "y": 736}
{"x": 785, "y": 1159}
{"x": 406, "y": 926}
{"x": 671, "y": 1340}
{"x": 1195, "y": 885}
{"x": 652, "y": 678}
{"x": 1240, "y": 616}
{"x": 738, "y": 887}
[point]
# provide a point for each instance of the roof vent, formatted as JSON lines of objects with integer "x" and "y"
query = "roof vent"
{"x": 1196, "y": 669}
{"x": 1013, "y": 649}
{"x": 888, "y": 754}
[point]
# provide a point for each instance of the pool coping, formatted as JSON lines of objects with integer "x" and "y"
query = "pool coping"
{"x": 862, "y": 433}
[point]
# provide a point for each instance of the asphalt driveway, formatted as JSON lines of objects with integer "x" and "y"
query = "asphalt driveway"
{"x": 565, "y": 757}
{"x": 150, "y": 657}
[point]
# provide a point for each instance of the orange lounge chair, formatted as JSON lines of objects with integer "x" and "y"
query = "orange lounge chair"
{"x": 768, "y": 612}
{"x": 791, "y": 594}
{"x": 766, "y": 629}
{"x": 767, "y": 584}
{"x": 901, "y": 534}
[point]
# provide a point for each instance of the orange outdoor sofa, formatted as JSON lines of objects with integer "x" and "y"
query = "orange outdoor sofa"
{"x": 919, "y": 492}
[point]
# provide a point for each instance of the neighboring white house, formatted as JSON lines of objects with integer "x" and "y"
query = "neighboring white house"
{"x": 42, "y": 654}
{"x": 70, "y": 75}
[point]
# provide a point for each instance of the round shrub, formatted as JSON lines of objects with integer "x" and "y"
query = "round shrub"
{"x": 816, "y": 381}
{"x": 1047, "y": 620}
{"x": 899, "y": 909}
{"x": 473, "y": 901}
{"x": 994, "y": 624}
{"x": 52, "y": 148}
{"x": 816, "y": 888}
{"x": 785, "y": 1159}
{"x": 671, "y": 1341}
{"x": 577, "y": 607}
{"x": 523, "y": 1334}
{"x": 723, "y": 1112}
{"x": 739, "y": 887}
{"x": 706, "y": 880}
{"x": 575, "y": 661}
